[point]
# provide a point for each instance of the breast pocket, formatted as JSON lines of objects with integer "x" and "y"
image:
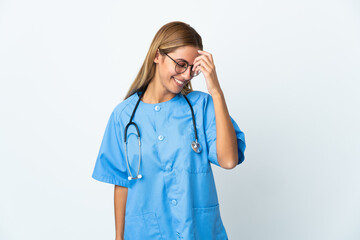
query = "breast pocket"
{"x": 194, "y": 162}
{"x": 140, "y": 227}
{"x": 208, "y": 224}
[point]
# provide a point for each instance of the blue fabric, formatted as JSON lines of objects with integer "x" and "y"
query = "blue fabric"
{"x": 176, "y": 198}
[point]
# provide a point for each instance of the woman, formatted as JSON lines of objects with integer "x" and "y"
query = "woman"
{"x": 164, "y": 185}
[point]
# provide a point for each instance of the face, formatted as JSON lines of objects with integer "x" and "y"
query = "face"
{"x": 169, "y": 79}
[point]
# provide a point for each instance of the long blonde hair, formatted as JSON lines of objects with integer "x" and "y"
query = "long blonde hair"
{"x": 169, "y": 37}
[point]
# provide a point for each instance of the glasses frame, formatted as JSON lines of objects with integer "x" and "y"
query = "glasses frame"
{"x": 187, "y": 65}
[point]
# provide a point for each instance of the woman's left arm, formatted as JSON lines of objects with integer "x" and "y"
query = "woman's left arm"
{"x": 226, "y": 141}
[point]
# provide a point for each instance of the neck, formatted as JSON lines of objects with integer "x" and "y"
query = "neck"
{"x": 156, "y": 93}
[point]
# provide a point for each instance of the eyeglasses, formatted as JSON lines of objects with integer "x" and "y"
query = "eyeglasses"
{"x": 182, "y": 65}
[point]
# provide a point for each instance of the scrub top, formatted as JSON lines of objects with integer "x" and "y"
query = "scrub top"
{"x": 176, "y": 197}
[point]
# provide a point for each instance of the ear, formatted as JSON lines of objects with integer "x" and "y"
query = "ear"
{"x": 156, "y": 59}
{"x": 158, "y": 56}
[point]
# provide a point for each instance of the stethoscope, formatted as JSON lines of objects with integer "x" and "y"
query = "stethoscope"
{"x": 195, "y": 144}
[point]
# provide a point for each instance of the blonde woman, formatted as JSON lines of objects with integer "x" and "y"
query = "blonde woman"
{"x": 160, "y": 141}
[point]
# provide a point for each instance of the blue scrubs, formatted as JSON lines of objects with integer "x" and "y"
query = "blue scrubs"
{"x": 176, "y": 198}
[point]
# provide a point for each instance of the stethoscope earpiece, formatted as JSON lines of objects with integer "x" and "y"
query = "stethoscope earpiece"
{"x": 137, "y": 177}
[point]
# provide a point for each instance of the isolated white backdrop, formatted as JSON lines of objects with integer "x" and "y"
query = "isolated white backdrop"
{"x": 290, "y": 74}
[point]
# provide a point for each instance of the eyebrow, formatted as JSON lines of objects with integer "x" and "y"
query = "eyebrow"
{"x": 183, "y": 60}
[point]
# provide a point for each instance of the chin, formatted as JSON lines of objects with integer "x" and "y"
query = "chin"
{"x": 176, "y": 91}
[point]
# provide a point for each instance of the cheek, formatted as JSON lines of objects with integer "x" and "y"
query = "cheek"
{"x": 168, "y": 72}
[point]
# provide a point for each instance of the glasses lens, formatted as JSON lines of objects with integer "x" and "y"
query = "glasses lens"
{"x": 194, "y": 73}
{"x": 181, "y": 66}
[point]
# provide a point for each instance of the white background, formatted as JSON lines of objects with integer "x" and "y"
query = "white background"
{"x": 290, "y": 72}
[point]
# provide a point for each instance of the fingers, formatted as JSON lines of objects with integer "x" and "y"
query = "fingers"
{"x": 209, "y": 55}
{"x": 203, "y": 62}
{"x": 203, "y": 66}
{"x": 206, "y": 58}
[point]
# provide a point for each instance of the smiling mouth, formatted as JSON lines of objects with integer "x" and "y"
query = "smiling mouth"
{"x": 179, "y": 82}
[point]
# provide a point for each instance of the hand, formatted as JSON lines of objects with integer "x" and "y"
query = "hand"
{"x": 205, "y": 64}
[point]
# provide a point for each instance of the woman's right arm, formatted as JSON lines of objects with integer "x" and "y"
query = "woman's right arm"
{"x": 120, "y": 196}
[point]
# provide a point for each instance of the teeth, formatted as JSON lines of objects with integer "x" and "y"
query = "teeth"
{"x": 178, "y": 81}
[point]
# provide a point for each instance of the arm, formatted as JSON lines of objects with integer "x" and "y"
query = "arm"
{"x": 120, "y": 196}
{"x": 226, "y": 141}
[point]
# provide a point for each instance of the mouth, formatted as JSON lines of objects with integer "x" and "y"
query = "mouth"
{"x": 179, "y": 83}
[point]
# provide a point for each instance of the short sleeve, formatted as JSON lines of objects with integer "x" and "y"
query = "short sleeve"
{"x": 210, "y": 128}
{"x": 110, "y": 166}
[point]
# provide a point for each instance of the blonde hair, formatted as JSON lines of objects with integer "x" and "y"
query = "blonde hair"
{"x": 169, "y": 37}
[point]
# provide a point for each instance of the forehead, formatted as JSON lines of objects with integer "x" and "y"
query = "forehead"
{"x": 187, "y": 53}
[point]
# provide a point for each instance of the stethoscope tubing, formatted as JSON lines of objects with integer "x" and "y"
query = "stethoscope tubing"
{"x": 195, "y": 144}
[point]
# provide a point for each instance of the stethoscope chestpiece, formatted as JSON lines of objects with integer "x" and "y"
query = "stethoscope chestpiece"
{"x": 196, "y": 146}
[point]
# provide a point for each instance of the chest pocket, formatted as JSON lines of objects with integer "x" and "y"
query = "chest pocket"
{"x": 194, "y": 162}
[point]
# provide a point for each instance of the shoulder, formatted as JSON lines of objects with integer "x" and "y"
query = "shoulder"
{"x": 122, "y": 107}
{"x": 199, "y": 98}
